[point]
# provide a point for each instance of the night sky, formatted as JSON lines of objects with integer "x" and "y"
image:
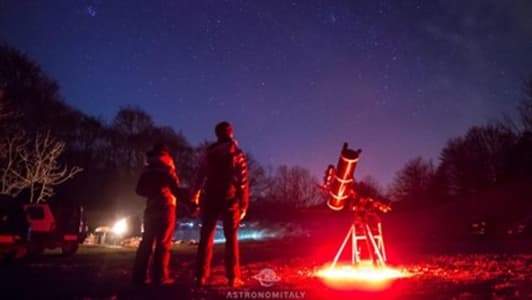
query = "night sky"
{"x": 297, "y": 78}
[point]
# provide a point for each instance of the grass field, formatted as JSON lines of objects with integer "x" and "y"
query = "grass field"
{"x": 104, "y": 273}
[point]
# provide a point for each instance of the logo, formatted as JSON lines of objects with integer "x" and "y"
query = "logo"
{"x": 267, "y": 277}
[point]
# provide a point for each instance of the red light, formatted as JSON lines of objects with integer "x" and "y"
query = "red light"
{"x": 364, "y": 276}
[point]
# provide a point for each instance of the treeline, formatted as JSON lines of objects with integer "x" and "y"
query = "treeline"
{"x": 112, "y": 153}
{"x": 482, "y": 178}
{"x": 486, "y": 173}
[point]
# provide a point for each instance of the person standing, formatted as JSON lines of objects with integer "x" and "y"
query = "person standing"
{"x": 159, "y": 184}
{"x": 223, "y": 176}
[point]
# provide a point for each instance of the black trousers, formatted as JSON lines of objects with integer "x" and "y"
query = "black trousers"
{"x": 159, "y": 226}
{"x": 231, "y": 220}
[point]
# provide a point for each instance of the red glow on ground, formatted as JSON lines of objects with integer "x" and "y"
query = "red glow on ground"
{"x": 364, "y": 276}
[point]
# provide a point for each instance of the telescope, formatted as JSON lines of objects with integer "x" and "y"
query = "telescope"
{"x": 339, "y": 184}
{"x": 339, "y": 181}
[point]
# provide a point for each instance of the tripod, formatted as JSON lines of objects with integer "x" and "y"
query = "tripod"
{"x": 360, "y": 231}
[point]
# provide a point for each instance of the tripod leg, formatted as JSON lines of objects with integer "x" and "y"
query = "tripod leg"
{"x": 376, "y": 249}
{"x": 383, "y": 250}
{"x": 356, "y": 251}
{"x": 353, "y": 246}
{"x": 369, "y": 247}
{"x": 344, "y": 243}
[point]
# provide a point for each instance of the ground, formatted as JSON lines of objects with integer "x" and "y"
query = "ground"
{"x": 104, "y": 273}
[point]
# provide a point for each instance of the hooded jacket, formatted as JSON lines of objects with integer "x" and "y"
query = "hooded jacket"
{"x": 159, "y": 182}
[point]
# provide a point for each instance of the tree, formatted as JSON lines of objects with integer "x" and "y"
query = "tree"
{"x": 369, "y": 187}
{"x": 525, "y": 107}
{"x": 11, "y": 146}
{"x": 29, "y": 102}
{"x": 293, "y": 186}
{"x": 34, "y": 165}
{"x": 412, "y": 184}
{"x": 3, "y": 110}
{"x": 478, "y": 160}
{"x": 10, "y": 161}
{"x": 132, "y": 135}
{"x": 259, "y": 180}
{"x": 31, "y": 94}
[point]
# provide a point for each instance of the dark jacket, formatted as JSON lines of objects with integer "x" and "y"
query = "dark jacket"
{"x": 159, "y": 183}
{"x": 223, "y": 175}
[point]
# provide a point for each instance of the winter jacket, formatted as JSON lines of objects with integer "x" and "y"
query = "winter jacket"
{"x": 223, "y": 175}
{"x": 159, "y": 182}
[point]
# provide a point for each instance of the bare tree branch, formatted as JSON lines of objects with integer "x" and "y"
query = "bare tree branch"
{"x": 33, "y": 165}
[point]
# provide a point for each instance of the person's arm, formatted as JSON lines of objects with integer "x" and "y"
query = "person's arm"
{"x": 243, "y": 183}
{"x": 174, "y": 183}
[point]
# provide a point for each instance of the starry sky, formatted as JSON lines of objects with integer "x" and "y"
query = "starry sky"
{"x": 297, "y": 78}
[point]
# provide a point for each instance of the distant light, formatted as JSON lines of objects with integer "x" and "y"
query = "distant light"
{"x": 120, "y": 227}
{"x": 188, "y": 224}
{"x": 255, "y": 235}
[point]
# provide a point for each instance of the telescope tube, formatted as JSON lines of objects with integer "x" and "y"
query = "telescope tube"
{"x": 343, "y": 180}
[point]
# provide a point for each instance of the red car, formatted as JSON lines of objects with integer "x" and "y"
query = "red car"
{"x": 35, "y": 227}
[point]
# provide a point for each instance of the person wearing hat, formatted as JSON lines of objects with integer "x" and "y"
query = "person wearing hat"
{"x": 159, "y": 184}
{"x": 223, "y": 176}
